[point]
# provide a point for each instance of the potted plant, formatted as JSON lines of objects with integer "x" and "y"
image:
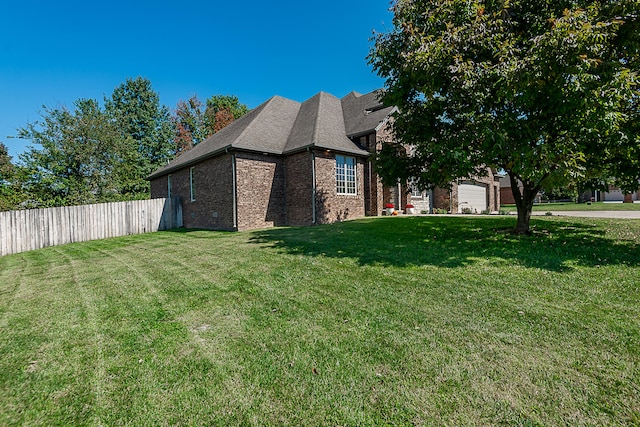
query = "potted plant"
{"x": 409, "y": 209}
{"x": 390, "y": 208}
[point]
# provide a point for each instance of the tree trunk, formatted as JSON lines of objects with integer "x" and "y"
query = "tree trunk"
{"x": 524, "y": 218}
{"x": 524, "y": 193}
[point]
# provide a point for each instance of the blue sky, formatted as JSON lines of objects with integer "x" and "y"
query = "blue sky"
{"x": 52, "y": 53}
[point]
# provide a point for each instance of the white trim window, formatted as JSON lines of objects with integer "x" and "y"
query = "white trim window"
{"x": 345, "y": 174}
{"x": 416, "y": 193}
{"x": 192, "y": 186}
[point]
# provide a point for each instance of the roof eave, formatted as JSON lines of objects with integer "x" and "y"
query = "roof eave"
{"x": 386, "y": 119}
{"x": 198, "y": 159}
{"x": 320, "y": 147}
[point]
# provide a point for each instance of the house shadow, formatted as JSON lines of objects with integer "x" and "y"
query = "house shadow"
{"x": 451, "y": 242}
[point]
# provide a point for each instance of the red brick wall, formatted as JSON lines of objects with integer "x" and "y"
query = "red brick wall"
{"x": 260, "y": 191}
{"x": 373, "y": 189}
{"x": 213, "y": 205}
{"x": 506, "y": 196}
{"x": 397, "y": 195}
{"x": 159, "y": 187}
{"x": 441, "y": 198}
{"x": 270, "y": 191}
{"x": 330, "y": 206}
{"x": 299, "y": 188}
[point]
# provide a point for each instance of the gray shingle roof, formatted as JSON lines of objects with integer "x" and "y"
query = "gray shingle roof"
{"x": 282, "y": 126}
{"x": 320, "y": 124}
{"x": 364, "y": 113}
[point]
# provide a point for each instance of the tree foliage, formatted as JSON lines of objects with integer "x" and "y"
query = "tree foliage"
{"x": 546, "y": 90}
{"x": 6, "y": 167}
{"x": 190, "y": 124}
{"x": 10, "y": 194}
{"x": 195, "y": 121}
{"x": 90, "y": 154}
{"x": 76, "y": 158}
{"x": 145, "y": 126}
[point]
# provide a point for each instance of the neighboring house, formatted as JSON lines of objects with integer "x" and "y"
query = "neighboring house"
{"x": 473, "y": 195}
{"x": 506, "y": 195}
{"x": 614, "y": 194}
{"x": 289, "y": 163}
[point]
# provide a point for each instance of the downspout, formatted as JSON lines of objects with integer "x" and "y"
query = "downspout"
{"x": 370, "y": 201}
{"x": 234, "y": 190}
{"x": 313, "y": 186}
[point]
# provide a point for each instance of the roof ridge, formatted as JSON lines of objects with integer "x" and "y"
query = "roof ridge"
{"x": 316, "y": 120}
{"x": 322, "y": 95}
{"x": 262, "y": 107}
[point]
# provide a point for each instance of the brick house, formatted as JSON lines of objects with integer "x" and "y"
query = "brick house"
{"x": 506, "y": 194}
{"x": 471, "y": 195}
{"x": 286, "y": 163}
{"x": 613, "y": 194}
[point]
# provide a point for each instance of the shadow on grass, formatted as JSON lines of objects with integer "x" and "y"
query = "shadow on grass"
{"x": 555, "y": 245}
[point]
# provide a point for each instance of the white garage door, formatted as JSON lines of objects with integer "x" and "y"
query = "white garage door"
{"x": 613, "y": 196}
{"x": 473, "y": 197}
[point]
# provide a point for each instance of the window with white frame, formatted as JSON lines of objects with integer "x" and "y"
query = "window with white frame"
{"x": 192, "y": 185}
{"x": 416, "y": 193}
{"x": 345, "y": 174}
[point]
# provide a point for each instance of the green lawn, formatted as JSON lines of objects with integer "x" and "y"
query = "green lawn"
{"x": 386, "y": 321}
{"x": 596, "y": 206}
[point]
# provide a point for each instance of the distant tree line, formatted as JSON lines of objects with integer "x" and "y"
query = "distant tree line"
{"x": 88, "y": 153}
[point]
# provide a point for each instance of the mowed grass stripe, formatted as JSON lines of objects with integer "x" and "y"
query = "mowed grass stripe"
{"x": 144, "y": 339}
{"x": 50, "y": 357}
{"x": 11, "y": 273}
{"x": 395, "y": 321}
{"x": 85, "y": 293}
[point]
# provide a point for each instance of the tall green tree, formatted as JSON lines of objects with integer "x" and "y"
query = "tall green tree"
{"x": 222, "y": 110}
{"x": 195, "y": 121}
{"x": 145, "y": 126}
{"x": 6, "y": 167}
{"x": 546, "y": 90}
{"x": 190, "y": 124}
{"x": 76, "y": 157}
{"x": 10, "y": 195}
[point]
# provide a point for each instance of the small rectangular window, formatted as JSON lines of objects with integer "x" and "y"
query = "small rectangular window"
{"x": 345, "y": 175}
{"x": 416, "y": 193}
{"x": 169, "y": 186}
{"x": 192, "y": 185}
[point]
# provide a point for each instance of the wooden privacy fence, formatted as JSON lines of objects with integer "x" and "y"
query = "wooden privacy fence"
{"x": 31, "y": 229}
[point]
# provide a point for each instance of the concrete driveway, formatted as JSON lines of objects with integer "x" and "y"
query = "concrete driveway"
{"x": 595, "y": 214}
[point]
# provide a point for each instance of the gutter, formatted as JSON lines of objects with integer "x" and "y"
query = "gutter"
{"x": 226, "y": 149}
{"x": 234, "y": 191}
{"x": 187, "y": 163}
{"x": 356, "y": 152}
{"x": 313, "y": 185}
